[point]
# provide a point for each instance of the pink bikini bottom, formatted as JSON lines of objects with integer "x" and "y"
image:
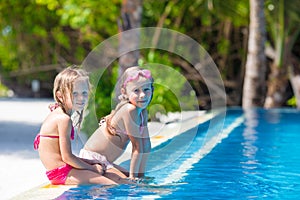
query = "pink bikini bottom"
{"x": 59, "y": 175}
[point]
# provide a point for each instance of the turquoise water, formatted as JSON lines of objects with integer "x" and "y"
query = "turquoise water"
{"x": 258, "y": 157}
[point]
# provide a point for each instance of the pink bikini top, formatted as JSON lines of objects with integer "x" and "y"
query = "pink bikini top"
{"x": 38, "y": 136}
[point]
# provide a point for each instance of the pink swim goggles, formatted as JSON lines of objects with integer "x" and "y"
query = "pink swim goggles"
{"x": 145, "y": 73}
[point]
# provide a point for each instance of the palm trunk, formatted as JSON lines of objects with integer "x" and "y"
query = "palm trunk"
{"x": 254, "y": 82}
{"x": 129, "y": 41}
{"x": 277, "y": 84}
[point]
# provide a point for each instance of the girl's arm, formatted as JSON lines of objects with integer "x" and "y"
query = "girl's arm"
{"x": 64, "y": 130}
{"x": 131, "y": 123}
{"x": 146, "y": 145}
{"x": 136, "y": 157}
{"x": 146, "y": 151}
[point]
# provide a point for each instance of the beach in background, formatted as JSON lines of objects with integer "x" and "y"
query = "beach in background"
{"x": 20, "y": 167}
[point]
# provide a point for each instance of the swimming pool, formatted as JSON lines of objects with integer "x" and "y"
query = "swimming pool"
{"x": 256, "y": 156}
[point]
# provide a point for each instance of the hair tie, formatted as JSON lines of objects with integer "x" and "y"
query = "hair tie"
{"x": 53, "y": 106}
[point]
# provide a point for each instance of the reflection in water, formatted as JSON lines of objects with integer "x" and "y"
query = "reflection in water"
{"x": 118, "y": 192}
{"x": 249, "y": 135}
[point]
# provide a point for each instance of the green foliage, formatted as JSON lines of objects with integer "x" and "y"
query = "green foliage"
{"x": 92, "y": 19}
{"x": 61, "y": 38}
{"x": 101, "y": 99}
{"x": 3, "y": 90}
{"x": 38, "y": 32}
{"x": 292, "y": 102}
{"x": 41, "y": 32}
{"x": 223, "y": 46}
{"x": 172, "y": 91}
{"x": 26, "y": 28}
{"x": 282, "y": 19}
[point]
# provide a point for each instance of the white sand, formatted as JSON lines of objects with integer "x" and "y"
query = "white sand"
{"x": 20, "y": 167}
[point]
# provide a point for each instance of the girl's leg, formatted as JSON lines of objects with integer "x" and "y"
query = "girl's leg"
{"x": 117, "y": 176}
{"x": 83, "y": 177}
{"x": 122, "y": 170}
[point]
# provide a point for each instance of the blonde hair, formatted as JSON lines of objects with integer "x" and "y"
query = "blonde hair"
{"x": 63, "y": 84}
{"x": 122, "y": 98}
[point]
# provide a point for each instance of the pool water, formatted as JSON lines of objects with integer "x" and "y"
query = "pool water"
{"x": 256, "y": 156}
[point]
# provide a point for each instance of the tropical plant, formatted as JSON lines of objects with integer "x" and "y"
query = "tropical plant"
{"x": 283, "y": 19}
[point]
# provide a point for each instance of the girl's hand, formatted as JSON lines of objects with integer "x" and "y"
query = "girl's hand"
{"x": 147, "y": 179}
{"x": 100, "y": 169}
{"x": 144, "y": 180}
{"x": 134, "y": 180}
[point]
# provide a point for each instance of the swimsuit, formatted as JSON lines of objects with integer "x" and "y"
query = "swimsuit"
{"x": 123, "y": 131}
{"x": 38, "y": 136}
{"x": 101, "y": 158}
{"x": 95, "y": 156}
{"x": 57, "y": 176}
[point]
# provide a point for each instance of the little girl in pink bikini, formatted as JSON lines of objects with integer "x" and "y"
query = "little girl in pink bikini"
{"x": 71, "y": 91}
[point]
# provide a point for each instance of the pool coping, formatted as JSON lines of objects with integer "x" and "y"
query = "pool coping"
{"x": 159, "y": 133}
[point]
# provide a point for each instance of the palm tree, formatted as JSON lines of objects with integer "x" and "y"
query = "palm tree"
{"x": 254, "y": 82}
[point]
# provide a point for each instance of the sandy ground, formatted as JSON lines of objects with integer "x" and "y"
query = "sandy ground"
{"x": 20, "y": 167}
